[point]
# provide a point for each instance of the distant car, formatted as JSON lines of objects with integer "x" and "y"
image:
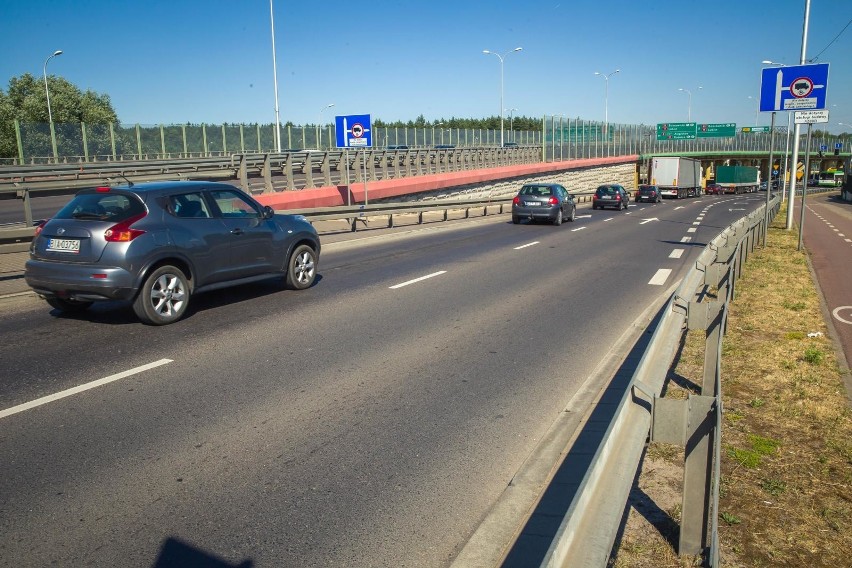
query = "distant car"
{"x": 612, "y": 195}
{"x": 648, "y": 193}
{"x": 510, "y": 144}
{"x": 713, "y": 189}
{"x": 548, "y": 201}
{"x": 158, "y": 244}
{"x": 763, "y": 186}
{"x": 398, "y": 147}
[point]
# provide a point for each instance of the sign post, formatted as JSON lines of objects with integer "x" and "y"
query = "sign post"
{"x": 809, "y": 117}
{"x": 793, "y": 88}
{"x": 354, "y": 131}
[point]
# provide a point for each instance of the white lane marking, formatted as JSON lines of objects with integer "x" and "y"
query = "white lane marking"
{"x": 577, "y": 229}
{"x": 836, "y": 313}
{"x": 686, "y": 239}
{"x": 681, "y": 207}
{"x": 610, "y": 219}
{"x": 648, "y": 220}
{"x": 836, "y": 230}
{"x": 676, "y": 253}
{"x": 840, "y": 235}
{"x": 80, "y": 388}
{"x": 526, "y": 245}
{"x": 582, "y": 216}
{"x": 418, "y": 279}
{"x": 660, "y": 277}
{"x": 692, "y": 230}
{"x": 848, "y": 240}
{"x": 700, "y": 218}
{"x": 696, "y": 222}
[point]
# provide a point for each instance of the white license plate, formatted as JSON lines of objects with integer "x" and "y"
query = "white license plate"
{"x": 532, "y": 203}
{"x": 64, "y": 245}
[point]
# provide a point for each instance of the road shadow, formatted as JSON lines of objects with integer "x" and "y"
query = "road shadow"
{"x": 538, "y": 533}
{"x": 178, "y": 554}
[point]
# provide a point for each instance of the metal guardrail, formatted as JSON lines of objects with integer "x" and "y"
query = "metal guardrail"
{"x": 589, "y": 527}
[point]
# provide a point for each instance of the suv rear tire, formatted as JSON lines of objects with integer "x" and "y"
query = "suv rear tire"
{"x": 164, "y": 296}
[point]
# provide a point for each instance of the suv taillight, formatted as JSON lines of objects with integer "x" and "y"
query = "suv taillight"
{"x": 552, "y": 201}
{"x": 122, "y": 233}
{"x": 516, "y": 200}
{"x": 40, "y": 228}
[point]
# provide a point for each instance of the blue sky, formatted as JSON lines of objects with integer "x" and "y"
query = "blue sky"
{"x": 178, "y": 61}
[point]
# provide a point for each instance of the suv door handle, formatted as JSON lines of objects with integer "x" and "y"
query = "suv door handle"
{"x": 237, "y": 231}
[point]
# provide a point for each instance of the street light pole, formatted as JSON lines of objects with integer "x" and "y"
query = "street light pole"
{"x": 797, "y": 131}
{"x": 511, "y": 122}
{"x": 49, "y": 112}
{"x": 689, "y": 103}
{"x": 275, "y": 80}
{"x": 319, "y": 126}
{"x": 606, "y": 96}
{"x": 501, "y": 57}
{"x": 46, "y": 89}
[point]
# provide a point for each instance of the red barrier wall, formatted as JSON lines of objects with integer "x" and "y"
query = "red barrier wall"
{"x": 337, "y": 195}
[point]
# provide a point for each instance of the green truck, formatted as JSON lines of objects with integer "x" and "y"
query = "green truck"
{"x": 738, "y": 179}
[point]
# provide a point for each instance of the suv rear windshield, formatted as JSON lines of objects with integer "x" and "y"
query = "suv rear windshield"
{"x": 607, "y": 190}
{"x": 101, "y": 207}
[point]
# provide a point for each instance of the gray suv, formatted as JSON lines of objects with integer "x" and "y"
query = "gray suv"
{"x": 157, "y": 244}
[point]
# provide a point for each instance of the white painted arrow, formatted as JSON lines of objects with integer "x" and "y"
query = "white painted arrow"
{"x": 648, "y": 220}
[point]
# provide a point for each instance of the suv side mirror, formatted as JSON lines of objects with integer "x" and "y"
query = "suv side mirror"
{"x": 268, "y": 212}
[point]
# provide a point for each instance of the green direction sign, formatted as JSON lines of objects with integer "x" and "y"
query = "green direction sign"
{"x": 755, "y": 129}
{"x": 676, "y": 131}
{"x": 725, "y": 130}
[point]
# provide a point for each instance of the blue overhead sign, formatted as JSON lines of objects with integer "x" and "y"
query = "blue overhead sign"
{"x": 353, "y": 131}
{"x": 797, "y": 87}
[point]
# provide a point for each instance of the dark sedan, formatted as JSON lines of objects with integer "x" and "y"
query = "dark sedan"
{"x": 648, "y": 193}
{"x": 612, "y": 195}
{"x": 549, "y": 201}
{"x": 157, "y": 244}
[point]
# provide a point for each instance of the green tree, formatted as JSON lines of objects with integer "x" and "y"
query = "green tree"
{"x": 26, "y": 101}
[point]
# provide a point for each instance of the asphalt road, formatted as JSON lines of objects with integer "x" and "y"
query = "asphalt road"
{"x": 370, "y": 420}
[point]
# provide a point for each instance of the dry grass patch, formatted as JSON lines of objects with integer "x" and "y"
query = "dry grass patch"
{"x": 786, "y": 488}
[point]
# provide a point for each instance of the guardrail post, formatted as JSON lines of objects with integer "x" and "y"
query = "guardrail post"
{"x": 288, "y": 172}
{"x": 24, "y": 194}
{"x": 369, "y": 155}
{"x": 267, "y": 174}
{"x": 85, "y": 142}
{"x": 18, "y": 139}
{"x": 244, "y": 173}
{"x": 308, "y": 170}
{"x": 325, "y": 168}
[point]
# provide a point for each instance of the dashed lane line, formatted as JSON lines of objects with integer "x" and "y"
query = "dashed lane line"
{"x": 81, "y": 388}
{"x": 414, "y": 281}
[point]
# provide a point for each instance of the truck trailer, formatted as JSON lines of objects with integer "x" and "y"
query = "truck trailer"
{"x": 738, "y": 179}
{"x": 676, "y": 177}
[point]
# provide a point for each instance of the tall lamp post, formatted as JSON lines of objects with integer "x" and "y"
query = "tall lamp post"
{"x": 46, "y": 89}
{"x": 319, "y": 126}
{"x": 606, "y": 96}
{"x": 511, "y": 122}
{"x": 275, "y": 80}
{"x": 689, "y": 104}
{"x": 49, "y": 112}
{"x": 501, "y": 58}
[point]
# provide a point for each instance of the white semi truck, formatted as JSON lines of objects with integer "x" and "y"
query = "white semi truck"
{"x": 676, "y": 177}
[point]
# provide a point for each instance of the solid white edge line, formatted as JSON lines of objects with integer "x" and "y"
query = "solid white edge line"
{"x": 526, "y": 245}
{"x": 577, "y": 229}
{"x": 660, "y": 277}
{"x": 80, "y": 388}
{"x": 676, "y": 253}
{"x": 418, "y": 279}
